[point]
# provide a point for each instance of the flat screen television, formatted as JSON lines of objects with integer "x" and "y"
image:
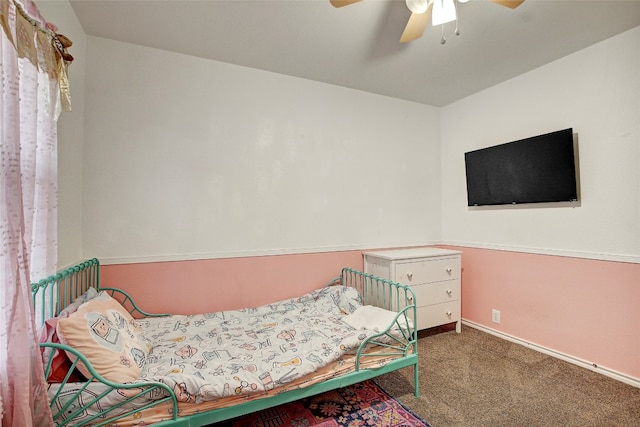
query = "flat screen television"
{"x": 533, "y": 170}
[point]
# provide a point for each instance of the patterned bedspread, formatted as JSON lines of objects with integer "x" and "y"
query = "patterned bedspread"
{"x": 218, "y": 359}
{"x": 208, "y": 356}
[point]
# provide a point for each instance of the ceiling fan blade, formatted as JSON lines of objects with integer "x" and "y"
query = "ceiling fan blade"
{"x": 340, "y": 3}
{"x": 416, "y": 26}
{"x": 509, "y": 3}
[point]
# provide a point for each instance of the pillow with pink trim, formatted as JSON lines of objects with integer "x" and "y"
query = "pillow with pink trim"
{"x": 61, "y": 364}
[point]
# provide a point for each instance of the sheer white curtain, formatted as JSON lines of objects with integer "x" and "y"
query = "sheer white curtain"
{"x": 28, "y": 204}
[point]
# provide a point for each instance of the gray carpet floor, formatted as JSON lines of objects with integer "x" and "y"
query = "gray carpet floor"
{"x": 476, "y": 379}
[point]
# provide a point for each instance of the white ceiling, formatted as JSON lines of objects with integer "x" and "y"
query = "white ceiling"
{"x": 357, "y": 46}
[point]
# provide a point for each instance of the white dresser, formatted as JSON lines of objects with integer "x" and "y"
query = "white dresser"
{"x": 432, "y": 273}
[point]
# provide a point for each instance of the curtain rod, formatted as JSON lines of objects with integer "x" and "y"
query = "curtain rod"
{"x": 38, "y": 40}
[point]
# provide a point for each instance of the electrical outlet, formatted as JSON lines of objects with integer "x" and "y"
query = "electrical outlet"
{"x": 495, "y": 316}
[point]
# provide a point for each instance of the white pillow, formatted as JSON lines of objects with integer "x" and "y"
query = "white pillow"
{"x": 73, "y": 307}
{"x": 373, "y": 318}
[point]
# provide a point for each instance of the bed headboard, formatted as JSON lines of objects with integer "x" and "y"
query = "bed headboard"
{"x": 53, "y": 294}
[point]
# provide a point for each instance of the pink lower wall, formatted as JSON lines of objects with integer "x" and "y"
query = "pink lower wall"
{"x": 587, "y": 309}
{"x": 202, "y": 286}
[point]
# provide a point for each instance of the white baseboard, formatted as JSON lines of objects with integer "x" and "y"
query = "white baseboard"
{"x": 559, "y": 355}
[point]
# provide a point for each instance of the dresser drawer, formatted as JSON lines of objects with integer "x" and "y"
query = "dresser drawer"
{"x": 438, "y": 314}
{"x": 435, "y": 293}
{"x": 426, "y": 271}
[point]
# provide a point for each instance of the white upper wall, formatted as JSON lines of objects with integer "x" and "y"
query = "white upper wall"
{"x": 595, "y": 91}
{"x": 188, "y": 158}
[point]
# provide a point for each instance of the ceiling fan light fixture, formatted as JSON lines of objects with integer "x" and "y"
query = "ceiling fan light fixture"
{"x": 443, "y": 11}
{"x": 418, "y": 6}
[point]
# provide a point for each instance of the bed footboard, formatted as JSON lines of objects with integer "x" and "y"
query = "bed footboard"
{"x": 400, "y": 338}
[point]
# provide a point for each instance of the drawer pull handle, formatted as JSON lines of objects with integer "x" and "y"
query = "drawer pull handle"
{"x": 410, "y": 276}
{"x": 449, "y": 314}
{"x": 449, "y": 292}
{"x": 449, "y": 270}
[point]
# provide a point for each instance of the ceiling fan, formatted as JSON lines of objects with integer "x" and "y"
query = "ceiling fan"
{"x": 439, "y": 11}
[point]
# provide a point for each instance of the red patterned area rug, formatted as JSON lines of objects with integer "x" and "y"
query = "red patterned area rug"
{"x": 362, "y": 404}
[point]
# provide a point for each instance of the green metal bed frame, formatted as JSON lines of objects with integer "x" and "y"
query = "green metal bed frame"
{"x": 53, "y": 294}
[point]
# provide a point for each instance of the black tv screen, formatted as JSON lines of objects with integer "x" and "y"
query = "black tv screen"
{"x": 532, "y": 170}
